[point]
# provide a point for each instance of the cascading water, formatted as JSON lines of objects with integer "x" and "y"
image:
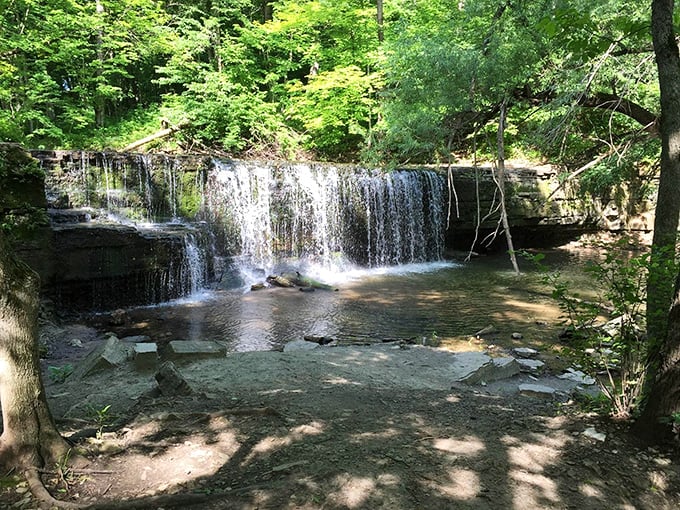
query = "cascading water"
{"x": 327, "y": 215}
{"x": 194, "y": 265}
{"x": 262, "y": 218}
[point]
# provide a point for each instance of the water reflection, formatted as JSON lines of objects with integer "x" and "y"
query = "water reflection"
{"x": 451, "y": 300}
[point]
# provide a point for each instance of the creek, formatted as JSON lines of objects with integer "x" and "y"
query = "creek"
{"x": 451, "y": 300}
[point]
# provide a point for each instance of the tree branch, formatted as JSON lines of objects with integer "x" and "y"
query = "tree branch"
{"x": 615, "y": 103}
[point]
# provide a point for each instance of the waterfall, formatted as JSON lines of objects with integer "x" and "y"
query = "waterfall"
{"x": 261, "y": 216}
{"x": 326, "y": 215}
{"x": 195, "y": 265}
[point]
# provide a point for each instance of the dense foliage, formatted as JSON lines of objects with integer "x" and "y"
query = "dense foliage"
{"x": 324, "y": 79}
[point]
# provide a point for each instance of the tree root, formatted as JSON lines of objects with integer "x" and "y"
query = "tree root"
{"x": 42, "y": 495}
{"x": 46, "y": 501}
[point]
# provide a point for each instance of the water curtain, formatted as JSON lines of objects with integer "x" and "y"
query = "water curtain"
{"x": 326, "y": 214}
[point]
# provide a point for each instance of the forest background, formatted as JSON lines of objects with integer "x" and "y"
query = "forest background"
{"x": 381, "y": 83}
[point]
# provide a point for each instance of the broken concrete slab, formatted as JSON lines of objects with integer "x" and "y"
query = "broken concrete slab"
{"x": 537, "y": 390}
{"x": 300, "y": 345}
{"x": 109, "y": 354}
{"x": 530, "y": 366}
{"x": 171, "y": 382}
{"x": 186, "y": 350}
{"x": 146, "y": 356}
{"x": 477, "y": 367}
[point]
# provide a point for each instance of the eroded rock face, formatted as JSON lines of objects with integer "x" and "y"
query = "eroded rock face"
{"x": 95, "y": 266}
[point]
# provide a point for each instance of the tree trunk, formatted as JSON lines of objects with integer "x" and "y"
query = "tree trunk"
{"x": 379, "y": 20}
{"x": 663, "y": 374}
{"x": 29, "y": 436}
{"x": 659, "y": 290}
{"x": 663, "y": 400}
{"x": 99, "y": 101}
{"x": 501, "y": 186}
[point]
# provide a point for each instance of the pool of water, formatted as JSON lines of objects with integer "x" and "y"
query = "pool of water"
{"x": 451, "y": 300}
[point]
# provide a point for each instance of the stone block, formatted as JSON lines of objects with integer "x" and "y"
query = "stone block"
{"x": 530, "y": 366}
{"x": 188, "y": 350}
{"x": 577, "y": 376}
{"x": 146, "y": 356}
{"x": 171, "y": 382}
{"x": 524, "y": 352}
{"x": 110, "y": 354}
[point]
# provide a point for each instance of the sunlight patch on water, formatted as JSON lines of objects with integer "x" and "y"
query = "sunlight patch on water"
{"x": 359, "y": 273}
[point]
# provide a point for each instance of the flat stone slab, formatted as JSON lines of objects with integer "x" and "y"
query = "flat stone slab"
{"x": 577, "y": 376}
{"x": 531, "y": 366}
{"x": 110, "y": 354}
{"x": 537, "y": 390}
{"x": 300, "y": 345}
{"x": 524, "y": 352}
{"x": 477, "y": 367}
{"x": 195, "y": 349}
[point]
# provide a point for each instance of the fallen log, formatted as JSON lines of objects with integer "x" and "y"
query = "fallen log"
{"x": 166, "y": 131}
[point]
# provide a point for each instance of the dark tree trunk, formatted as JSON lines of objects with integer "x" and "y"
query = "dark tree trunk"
{"x": 663, "y": 400}
{"x": 659, "y": 292}
{"x": 379, "y": 20}
{"x": 29, "y": 437}
{"x": 663, "y": 374}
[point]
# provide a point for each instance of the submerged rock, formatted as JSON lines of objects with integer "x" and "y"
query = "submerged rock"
{"x": 280, "y": 281}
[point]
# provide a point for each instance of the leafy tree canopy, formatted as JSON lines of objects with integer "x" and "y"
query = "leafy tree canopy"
{"x": 296, "y": 78}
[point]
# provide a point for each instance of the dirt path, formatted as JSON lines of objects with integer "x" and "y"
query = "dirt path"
{"x": 373, "y": 427}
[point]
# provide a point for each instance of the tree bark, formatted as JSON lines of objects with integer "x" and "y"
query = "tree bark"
{"x": 663, "y": 400}
{"x": 663, "y": 374}
{"x": 379, "y": 20}
{"x": 29, "y": 437}
{"x": 166, "y": 131}
{"x": 667, "y": 214}
{"x": 501, "y": 187}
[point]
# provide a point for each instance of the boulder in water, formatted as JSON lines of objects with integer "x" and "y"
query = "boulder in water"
{"x": 306, "y": 282}
{"x": 280, "y": 281}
